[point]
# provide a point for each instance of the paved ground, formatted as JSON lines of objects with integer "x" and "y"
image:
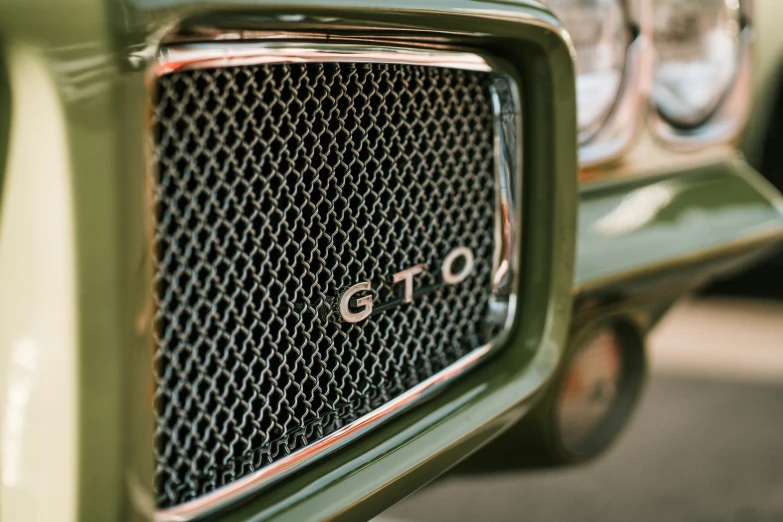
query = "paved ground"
{"x": 705, "y": 446}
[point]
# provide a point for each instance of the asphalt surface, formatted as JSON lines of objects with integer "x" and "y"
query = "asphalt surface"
{"x": 706, "y": 444}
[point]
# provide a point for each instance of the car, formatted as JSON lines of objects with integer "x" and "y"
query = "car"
{"x": 294, "y": 260}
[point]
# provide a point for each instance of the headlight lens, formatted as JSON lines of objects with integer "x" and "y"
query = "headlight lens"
{"x": 697, "y": 43}
{"x": 600, "y": 36}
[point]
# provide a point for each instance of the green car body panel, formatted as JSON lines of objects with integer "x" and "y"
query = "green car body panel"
{"x": 76, "y": 257}
{"x": 688, "y": 216}
{"x": 768, "y": 68}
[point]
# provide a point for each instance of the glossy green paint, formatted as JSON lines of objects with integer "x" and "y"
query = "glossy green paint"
{"x": 767, "y": 74}
{"x": 659, "y": 222}
{"x": 73, "y": 40}
{"x": 98, "y": 55}
{"x": 5, "y": 118}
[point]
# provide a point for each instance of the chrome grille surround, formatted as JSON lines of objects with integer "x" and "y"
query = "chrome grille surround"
{"x": 219, "y": 224}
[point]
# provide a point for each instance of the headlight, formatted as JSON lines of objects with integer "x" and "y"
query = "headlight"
{"x": 600, "y": 36}
{"x": 697, "y": 44}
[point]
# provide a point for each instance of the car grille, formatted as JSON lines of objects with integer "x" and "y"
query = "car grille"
{"x": 279, "y": 186}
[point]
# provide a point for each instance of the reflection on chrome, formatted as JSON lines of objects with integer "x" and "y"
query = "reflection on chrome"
{"x": 638, "y": 208}
{"x": 698, "y": 50}
{"x": 600, "y": 36}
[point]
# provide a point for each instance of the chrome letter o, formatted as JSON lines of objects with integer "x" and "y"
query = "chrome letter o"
{"x": 449, "y": 277}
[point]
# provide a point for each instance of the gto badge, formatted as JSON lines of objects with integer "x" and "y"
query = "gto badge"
{"x": 363, "y": 307}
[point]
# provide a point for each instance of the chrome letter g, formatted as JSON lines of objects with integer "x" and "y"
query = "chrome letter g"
{"x": 365, "y": 302}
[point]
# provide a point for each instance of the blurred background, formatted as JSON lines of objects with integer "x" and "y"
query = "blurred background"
{"x": 704, "y": 445}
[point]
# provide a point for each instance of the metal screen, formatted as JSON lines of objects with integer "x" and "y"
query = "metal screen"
{"x": 278, "y": 187}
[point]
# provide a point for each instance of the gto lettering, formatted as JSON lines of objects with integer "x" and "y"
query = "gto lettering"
{"x": 448, "y": 275}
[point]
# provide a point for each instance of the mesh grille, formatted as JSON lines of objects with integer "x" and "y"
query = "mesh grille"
{"x": 279, "y": 186}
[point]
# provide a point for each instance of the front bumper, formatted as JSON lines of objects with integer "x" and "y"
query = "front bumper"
{"x": 690, "y": 222}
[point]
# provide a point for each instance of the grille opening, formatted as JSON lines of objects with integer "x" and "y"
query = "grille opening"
{"x": 278, "y": 187}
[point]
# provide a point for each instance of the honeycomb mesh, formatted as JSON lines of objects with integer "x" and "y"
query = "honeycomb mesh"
{"x": 280, "y": 186}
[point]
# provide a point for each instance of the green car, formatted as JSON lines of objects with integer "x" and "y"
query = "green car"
{"x": 294, "y": 260}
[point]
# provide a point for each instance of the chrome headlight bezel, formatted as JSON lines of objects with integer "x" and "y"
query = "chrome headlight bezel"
{"x": 625, "y": 118}
{"x": 600, "y": 36}
{"x": 726, "y": 121}
{"x": 635, "y": 110}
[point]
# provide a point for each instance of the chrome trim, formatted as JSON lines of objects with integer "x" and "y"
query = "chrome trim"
{"x": 726, "y": 122}
{"x": 211, "y": 55}
{"x": 506, "y": 108}
{"x": 508, "y": 133}
{"x": 618, "y": 131}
